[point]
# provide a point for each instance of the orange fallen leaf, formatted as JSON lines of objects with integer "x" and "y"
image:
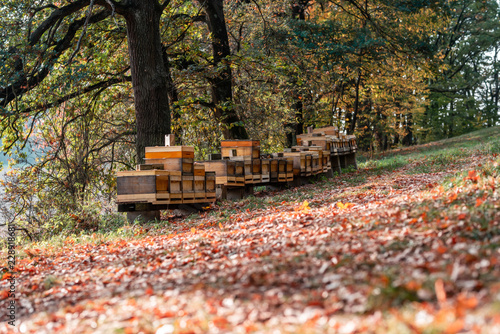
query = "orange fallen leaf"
{"x": 467, "y": 302}
{"x": 6, "y": 276}
{"x": 220, "y": 322}
{"x": 304, "y": 207}
{"x": 440, "y": 292}
{"x": 472, "y": 175}
{"x": 343, "y": 206}
{"x": 442, "y": 249}
{"x": 452, "y": 197}
{"x": 479, "y": 202}
{"x": 455, "y": 327}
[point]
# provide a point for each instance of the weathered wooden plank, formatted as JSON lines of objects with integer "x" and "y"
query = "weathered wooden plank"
{"x": 140, "y": 184}
{"x": 169, "y": 155}
{"x": 327, "y": 130}
{"x": 169, "y": 152}
{"x": 144, "y": 167}
{"x": 239, "y": 143}
{"x": 135, "y": 198}
{"x": 135, "y": 173}
{"x": 187, "y": 184}
{"x": 175, "y": 184}
{"x": 217, "y": 166}
{"x": 210, "y": 182}
{"x": 199, "y": 169}
{"x": 162, "y": 182}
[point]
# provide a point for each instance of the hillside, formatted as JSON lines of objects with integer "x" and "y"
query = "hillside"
{"x": 409, "y": 243}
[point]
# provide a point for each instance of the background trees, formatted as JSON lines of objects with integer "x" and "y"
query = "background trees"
{"x": 463, "y": 91}
{"x": 87, "y": 84}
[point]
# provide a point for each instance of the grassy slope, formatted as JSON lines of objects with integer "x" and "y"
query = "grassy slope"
{"x": 409, "y": 243}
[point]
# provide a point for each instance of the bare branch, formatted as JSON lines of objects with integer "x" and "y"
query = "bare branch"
{"x": 84, "y": 30}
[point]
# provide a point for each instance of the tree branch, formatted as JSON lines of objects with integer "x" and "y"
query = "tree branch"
{"x": 24, "y": 83}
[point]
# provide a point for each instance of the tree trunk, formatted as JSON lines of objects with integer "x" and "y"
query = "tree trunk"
{"x": 222, "y": 93}
{"x": 149, "y": 77}
{"x": 173, "y": 96}
{"x": 297, "y": 127}
{"x": 354, "y": 116}
{"x": 408, "y": 138}
{"x": 451, "y": 121}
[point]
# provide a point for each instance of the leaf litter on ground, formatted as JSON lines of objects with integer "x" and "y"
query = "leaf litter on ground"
{"x": 407, "y": 247}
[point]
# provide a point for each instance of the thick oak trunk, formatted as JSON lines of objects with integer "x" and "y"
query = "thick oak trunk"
{"x": 222, "y": 93}
{"x": 149, "y": 77}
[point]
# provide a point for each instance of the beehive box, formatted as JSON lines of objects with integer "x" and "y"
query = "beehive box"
{"x": 352, "y": 143}
{"x": 298, "y": 160}
{"x": 147, "y": 186}
{"x": 240, "y": 148}
{"x": 150, "y": 167}
{"x": 235, "y": 173}
{"x": 273, "y": 169}
{"x": 219, "y": 167}
{"x": 321, "y": 163}
{"x": 327, "y": 130}
{"x": 210, "y": 186}
{"x": 173, "y": 158}
{"x": 169, "y": 152}
{"x": 265, "y": 170}
{"x": 199, "y": 181}
{"x": 136, "y": 186}
{"x": 335, "y": 146}
{"x": 184, "y": 165}
{"x": 323, "y": 142}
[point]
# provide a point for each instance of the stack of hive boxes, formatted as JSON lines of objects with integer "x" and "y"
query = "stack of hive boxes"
{"x": 245, "y": 156}
{"x": 169, "y": 176}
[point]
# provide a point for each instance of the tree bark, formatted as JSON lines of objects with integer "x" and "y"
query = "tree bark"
{"x": 354, "y": 115}
{"x": 408, "y": 139}
{"x": 149, "y": 76}
{"x": 221, "y": 84}
{"x": 297, "y": 127}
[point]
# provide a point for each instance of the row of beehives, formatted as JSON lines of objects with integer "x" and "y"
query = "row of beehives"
{"x": 171, "y": 176}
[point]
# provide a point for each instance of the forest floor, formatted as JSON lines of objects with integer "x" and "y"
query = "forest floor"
{"x": 408, "y": 243}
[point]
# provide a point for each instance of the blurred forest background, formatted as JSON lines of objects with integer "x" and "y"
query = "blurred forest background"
{"x": 393, "y": 73}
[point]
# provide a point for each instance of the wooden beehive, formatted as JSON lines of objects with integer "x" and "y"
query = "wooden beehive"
{"x": 173, "y": 158}
{"x": 136, "y": 186}
{"x": 352, "y": 143}
{"x": 150, "y": 167}
{"x": 199, "y": 181}
{"x": 265, "y": 170}
{"x": 298, "y": 160}
{"x": 335, "y": 145}
{"x": 187, "y": 187}
{"x": 235, "y": 173}
{"x": 219, "y": 167}
{"x": 162, "y": 185}
{"x": 328, "y": 130}
{"x": 169, "y": 152}
{"x": 257, "y": 170}
{"x": 282, "y": 169}
{"x": 273, "y": 170}
{"x": 289, "y": 169}
{"x": 240, "y": 148}
{"x": 210, "y": 186}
